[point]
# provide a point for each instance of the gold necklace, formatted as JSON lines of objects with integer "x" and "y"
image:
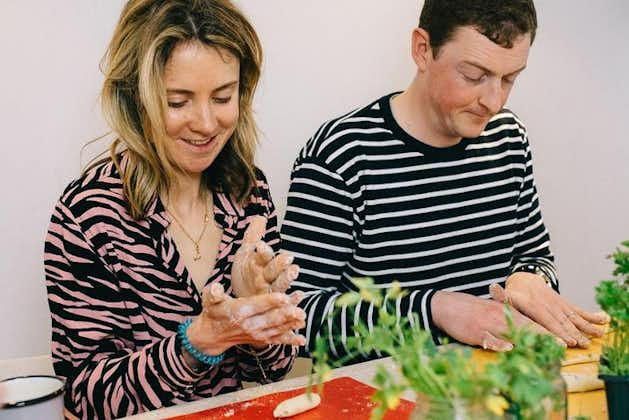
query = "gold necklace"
{"x": 206, "y": 220}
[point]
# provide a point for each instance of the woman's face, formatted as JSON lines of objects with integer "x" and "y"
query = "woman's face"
{"x": 202, "y": 94}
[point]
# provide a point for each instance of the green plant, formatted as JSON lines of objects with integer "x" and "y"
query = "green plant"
{"x": 446, "y": 375}
{"x": 613, "y": 297}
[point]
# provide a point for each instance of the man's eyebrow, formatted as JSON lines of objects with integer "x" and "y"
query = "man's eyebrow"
{"x": 189, "y": 92}
{"x": 486, "y": 70}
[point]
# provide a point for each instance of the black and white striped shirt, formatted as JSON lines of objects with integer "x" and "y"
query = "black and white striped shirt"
{"x": 368, "y": 200}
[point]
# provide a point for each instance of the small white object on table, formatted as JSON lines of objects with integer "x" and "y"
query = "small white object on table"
{"x": 363, "y": 372}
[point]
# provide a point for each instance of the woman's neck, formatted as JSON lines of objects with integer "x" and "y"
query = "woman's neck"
{"x": 186, "y": 196}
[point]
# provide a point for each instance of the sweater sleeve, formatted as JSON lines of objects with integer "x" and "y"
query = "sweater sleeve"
{"x": 533, "y": 241}
{"x": 320, "y": 228}
{"x": 92, "y": 346}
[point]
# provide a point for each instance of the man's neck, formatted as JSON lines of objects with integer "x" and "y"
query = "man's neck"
{"x": 412, "y": 111}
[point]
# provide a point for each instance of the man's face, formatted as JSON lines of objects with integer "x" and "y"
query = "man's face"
{"x": 470, "y": 80}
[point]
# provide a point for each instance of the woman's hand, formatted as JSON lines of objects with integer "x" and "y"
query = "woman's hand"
{"x": 256, "y": 320}
{"x": 475, "y": 321}
{"x": 256, "y": 270}
{"x": 530, "y": 295}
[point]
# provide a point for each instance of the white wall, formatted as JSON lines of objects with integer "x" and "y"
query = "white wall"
{"x": 322, "y": 58}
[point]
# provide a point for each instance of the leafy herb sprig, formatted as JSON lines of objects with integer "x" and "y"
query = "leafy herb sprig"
{"x": 446, "y": 376}
{"x": 613, "y": 297}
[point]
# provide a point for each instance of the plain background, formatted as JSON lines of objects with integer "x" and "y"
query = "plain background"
{"x": 322, "y": 59}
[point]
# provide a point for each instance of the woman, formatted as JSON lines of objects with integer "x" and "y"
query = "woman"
{"x": 177, "y": 207}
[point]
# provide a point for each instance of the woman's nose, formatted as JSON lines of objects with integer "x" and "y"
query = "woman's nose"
{"x": 204, "y": 120}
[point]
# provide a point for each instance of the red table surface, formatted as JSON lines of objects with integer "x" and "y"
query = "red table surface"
{"x": 342, "y": 396}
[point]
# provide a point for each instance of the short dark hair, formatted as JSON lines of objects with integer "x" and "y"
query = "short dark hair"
{"x": 502, "y": 21}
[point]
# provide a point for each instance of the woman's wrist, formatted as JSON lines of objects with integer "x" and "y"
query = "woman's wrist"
{"x": 205, "y": 340}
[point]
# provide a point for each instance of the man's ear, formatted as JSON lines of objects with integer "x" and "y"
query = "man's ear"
{"x": 420, "y": 48}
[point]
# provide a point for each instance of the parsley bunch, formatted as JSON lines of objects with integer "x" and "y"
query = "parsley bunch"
{"x": 448, "y": 383}
{"x": 613, "y": 297}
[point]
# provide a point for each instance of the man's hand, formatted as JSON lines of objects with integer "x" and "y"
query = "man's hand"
{"x": 529, "y": 294}
{"x": 475, "y": 321}
{"x": 256, "y": 270}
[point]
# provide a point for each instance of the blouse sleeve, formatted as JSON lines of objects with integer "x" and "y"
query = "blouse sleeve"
{"x": 92, "y": 346}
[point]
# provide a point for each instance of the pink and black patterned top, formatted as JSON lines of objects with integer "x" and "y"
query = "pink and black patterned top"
{"x": 117, "y": 290}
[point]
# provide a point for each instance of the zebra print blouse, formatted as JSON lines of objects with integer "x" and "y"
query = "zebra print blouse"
{"x": 117, "y": 290}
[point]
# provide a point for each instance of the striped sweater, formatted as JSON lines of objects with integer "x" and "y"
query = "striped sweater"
{"x": 117, "y": 290}
{"x": 368, "y": 200}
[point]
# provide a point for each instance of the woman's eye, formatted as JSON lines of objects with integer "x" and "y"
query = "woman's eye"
{"x": 176, "y": 104}
{"x": 222, "y": 100}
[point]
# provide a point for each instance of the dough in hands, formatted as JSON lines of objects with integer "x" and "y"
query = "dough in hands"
{"x": 296, "y": 405}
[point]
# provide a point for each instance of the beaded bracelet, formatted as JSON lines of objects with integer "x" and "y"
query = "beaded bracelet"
{"x": 185, "y": 342}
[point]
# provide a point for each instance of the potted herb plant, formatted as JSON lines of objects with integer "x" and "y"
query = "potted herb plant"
{"x": 523, "y": 383}
{"x": 613, "y": 297}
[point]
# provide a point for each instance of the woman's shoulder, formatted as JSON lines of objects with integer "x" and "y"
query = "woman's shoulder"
{"x": 99, "y": 186}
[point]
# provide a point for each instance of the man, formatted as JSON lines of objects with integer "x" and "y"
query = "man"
{"x": 433, "y": 187}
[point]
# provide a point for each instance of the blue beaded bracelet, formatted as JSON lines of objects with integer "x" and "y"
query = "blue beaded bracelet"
{"x": 201, "y": 357}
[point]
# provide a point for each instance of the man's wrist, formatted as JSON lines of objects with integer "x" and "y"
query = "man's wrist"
{"x": 534, "y": 270}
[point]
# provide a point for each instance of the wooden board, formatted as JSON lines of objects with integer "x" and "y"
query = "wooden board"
{"x": 343, "y": 396}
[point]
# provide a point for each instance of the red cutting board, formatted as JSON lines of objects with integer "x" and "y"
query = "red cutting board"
{"x": 342, "y": 396}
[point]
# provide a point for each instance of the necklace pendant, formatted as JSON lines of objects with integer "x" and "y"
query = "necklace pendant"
{"x": 197, "y": 255}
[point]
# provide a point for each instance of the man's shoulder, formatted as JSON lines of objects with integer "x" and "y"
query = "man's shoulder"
{"x": 339, "y": 133}
{"x": 504, "y": 123}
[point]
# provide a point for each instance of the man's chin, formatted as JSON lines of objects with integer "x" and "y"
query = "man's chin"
{"x": 471, "y": 132}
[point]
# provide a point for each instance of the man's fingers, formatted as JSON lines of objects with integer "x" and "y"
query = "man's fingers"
{"x": 567, "y": 322}
{"x": 543, "y": 315}
{"x": 556, "y": 324}
{"x": 523, "y": 320}
{"x": 255, "y": 230}
{"x": 491, "y": 342}
{"x": 286, "y": 277}
{"x": 498, "y": 293}
{"x": 593, "y": 317}
{"x": 582, "y": 324}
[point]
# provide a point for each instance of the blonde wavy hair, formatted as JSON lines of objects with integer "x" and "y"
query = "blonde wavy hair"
{"x": 134, "y": 96}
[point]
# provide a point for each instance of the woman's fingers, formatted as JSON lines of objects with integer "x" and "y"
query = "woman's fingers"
{"x": 286, "y": 277}
{"x": 264, "y": 254}
{"x": 244, "y": 308}
{"x": 255, "y": 231}
{"x": 274, "y": 267}
{"x": 289, "y": 338}
{"x": 282, "y": 318}
{"x": 213, "y": 294}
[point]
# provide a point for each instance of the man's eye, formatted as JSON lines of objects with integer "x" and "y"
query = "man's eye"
{"x": 509, "y": 80}
{"x": 176, "y": 104}
{"x": 472, "y": 79}
{"x": 222, "y": 100}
